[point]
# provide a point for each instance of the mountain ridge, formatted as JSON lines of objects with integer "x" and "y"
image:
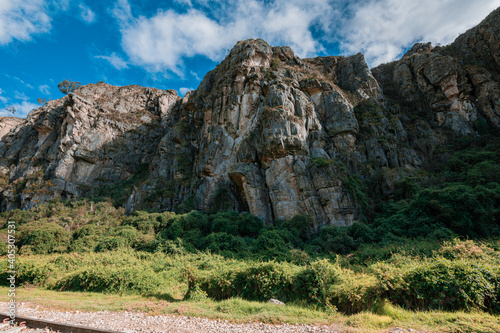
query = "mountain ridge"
{"x": 265, "y": 132}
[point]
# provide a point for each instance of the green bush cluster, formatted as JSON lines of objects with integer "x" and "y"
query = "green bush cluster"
{"x": 463, "y": 276}
{"x": 461, "y": 198}
{"x": 319, "y": 282}
{"x": 43, "y": 237}
{"x": 118, "y": 271}
{"x": 122, "y": 279}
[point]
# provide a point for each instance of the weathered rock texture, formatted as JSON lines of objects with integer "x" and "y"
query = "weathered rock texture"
{"x": 265, "y": 132}
{"x": 97, "y": 135}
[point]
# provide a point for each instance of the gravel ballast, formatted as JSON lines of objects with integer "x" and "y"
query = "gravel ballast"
{"x": 132, "y": 322}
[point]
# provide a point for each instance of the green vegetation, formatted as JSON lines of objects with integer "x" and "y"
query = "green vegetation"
{"x": 119, "y": 192}
{"x": 322, "y": 291}
{"x": 321, "y": 161}
{"x": 275, "y": 63}
{"x": 225, "y": 255}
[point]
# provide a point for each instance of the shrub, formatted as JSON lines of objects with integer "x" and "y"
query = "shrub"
{"x": 221, "y": 241}
{"x": 321, "y": 162}
{"x": 118, "y": 238}
{"x": 111, "y": 279}
{"x": 85, "y": 244}
{"x": 275, "y": 63}
{"x": 355, "y": 293}
{"x": 44, "y": 238}
{"x": 440, "y": 283}
{"x": 301, "y": 225}
{"x": 337, "y": 240}
{"x": 271, "y": 244}
{"x": 237, "y": 224}
{"x": 175, "y": 247}
{"x": 146, "y": 223}
{"x": 254, "y": 282}
{"x": 180, "y": 225}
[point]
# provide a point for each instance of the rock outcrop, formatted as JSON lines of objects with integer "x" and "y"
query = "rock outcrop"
{"x": 265, "y": 132}
{"x": 97, "y": 135}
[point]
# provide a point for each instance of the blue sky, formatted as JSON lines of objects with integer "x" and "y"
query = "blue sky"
{"x": 173, "y": 44}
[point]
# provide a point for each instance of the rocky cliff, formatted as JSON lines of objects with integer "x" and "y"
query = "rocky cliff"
{"x": 265, "y": 132}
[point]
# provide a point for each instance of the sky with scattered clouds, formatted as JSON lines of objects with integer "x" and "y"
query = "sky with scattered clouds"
{"x": 173, "y": 44}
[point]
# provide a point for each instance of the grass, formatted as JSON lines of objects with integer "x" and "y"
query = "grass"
{"x": 241, "y": 311}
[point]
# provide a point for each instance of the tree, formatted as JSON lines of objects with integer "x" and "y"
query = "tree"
{"x": 10, "y": 109}
{"x": 41, "y": 101}
{"x": 68, "y": 86}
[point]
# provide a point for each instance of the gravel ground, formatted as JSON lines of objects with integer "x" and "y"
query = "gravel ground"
{"x": 132, "y": 322}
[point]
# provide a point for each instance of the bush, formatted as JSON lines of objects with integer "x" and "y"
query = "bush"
{"x": 119, "y": 238}
{"x": 253, "y": 282}
{"x": 180, "y": 225}
{"x": 245, "y": 225}
{"x": 355, "y": 293}
{"x": 147, "y": 223}
{"x": 271, "y": 245}
{"x": 337, "y": 240}
{"x": 301, "y": 225}
{"x": 221, "y": 241}
{"x": 440, "y": 283}
{"x": 44, "y": 238}
{"x": 36, "y": 272}
{"x": 111, "y": 279}
{"x": 321, "y": 283}
{"x": 85, "y": 244}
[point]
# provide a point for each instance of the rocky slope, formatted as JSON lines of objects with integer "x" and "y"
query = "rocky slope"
{"x": 265, "y": 132}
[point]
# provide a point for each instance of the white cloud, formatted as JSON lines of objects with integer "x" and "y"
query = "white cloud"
{"x": 86, "y": 14}
{"x": 20, "y": 95}
{"x": 115, "y": 60}
{"x": 183, "y": 90}
{"x": 2, "y": 98}
{"x": 22, "y": 109}
{"x": 22, "y": 19}
{"x": 195, "y": 75}
{"x": 44, "y": 89}
{"x": 382, "y": 29}
{"x": 162, "y": 41}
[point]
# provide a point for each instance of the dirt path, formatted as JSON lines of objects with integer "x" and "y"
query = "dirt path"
{"x": 139, "y": 322}
{"x": 132, "y": 322}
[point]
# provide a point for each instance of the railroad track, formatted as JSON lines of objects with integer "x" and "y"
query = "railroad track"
{"x": 32, "y": 325}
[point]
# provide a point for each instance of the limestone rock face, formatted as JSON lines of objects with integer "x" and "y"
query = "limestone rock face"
{"x": 265, "y": 132}
{"x": 96, "y": 135}
{"x": 247, "y": 138}
{"x": 276, "y": 136}
{"x": 8, "y": 125}
{"x": 458, "y": 83}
